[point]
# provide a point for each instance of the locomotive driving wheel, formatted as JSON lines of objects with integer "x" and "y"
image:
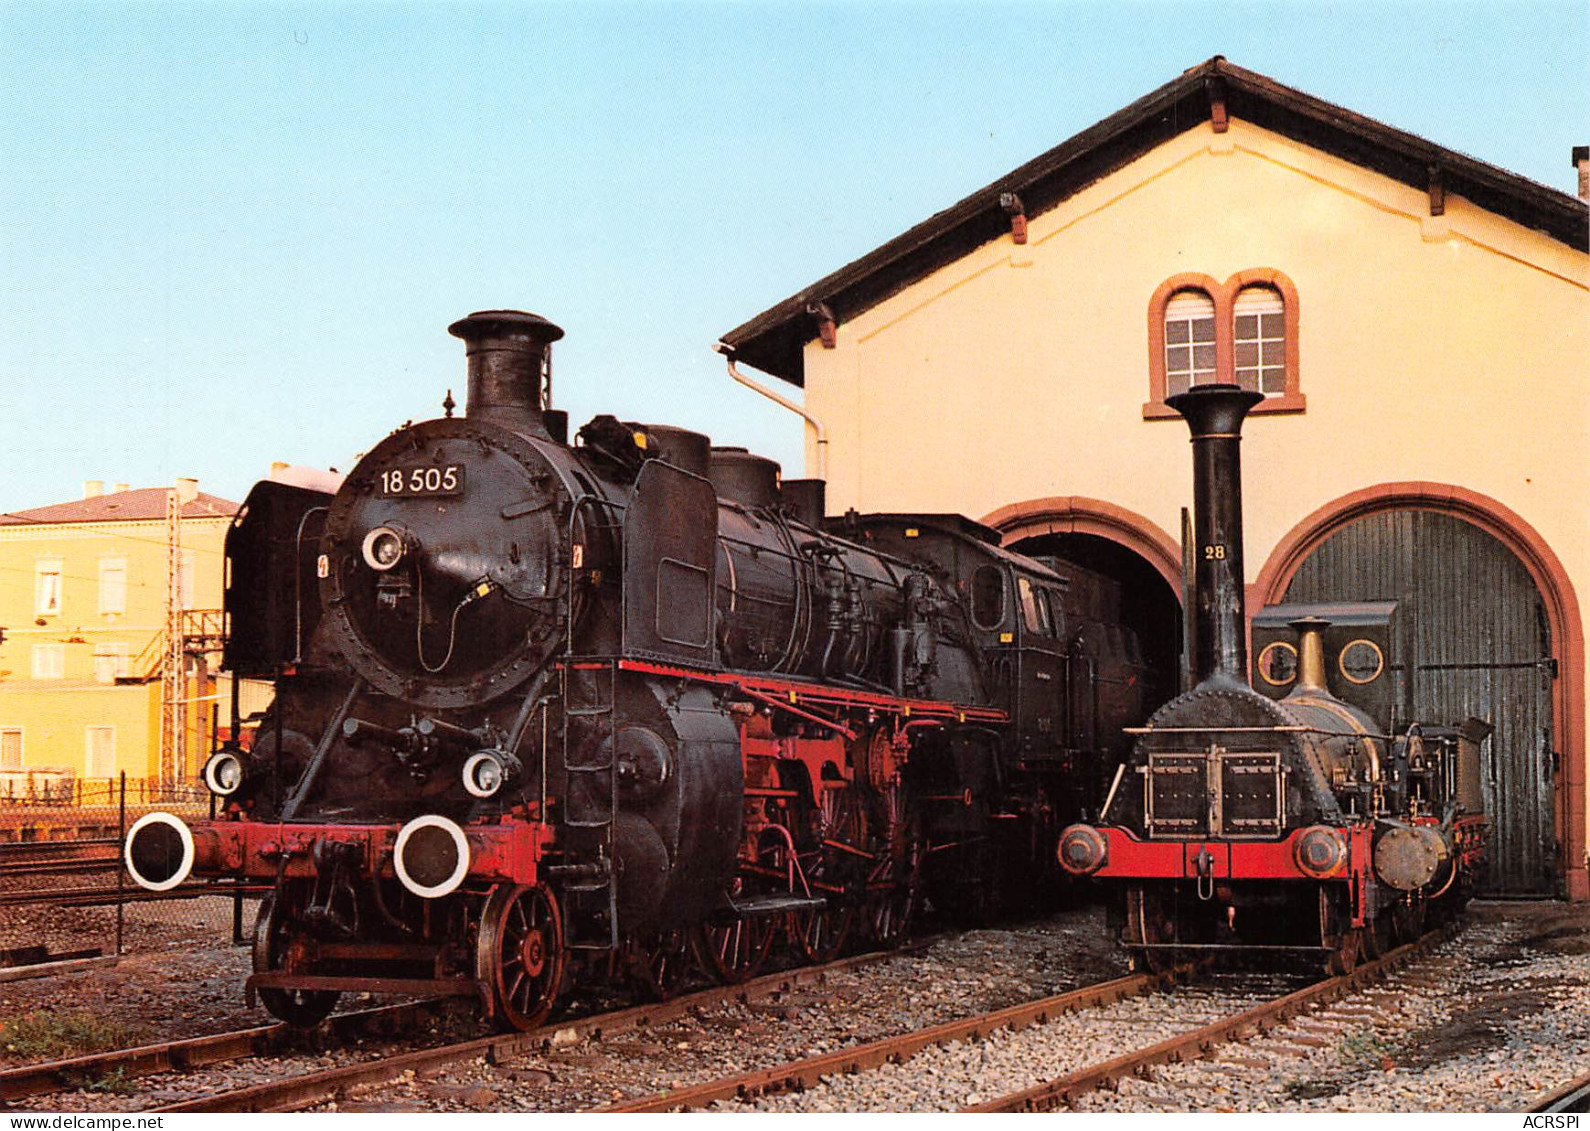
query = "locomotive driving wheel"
{"x": 519, "y": 955}
{"x": 895, "y": 889}
{"x": 734, "y": 953}
{"x": 819, "y": 936}
{"x": 274, "y": 945}
{"x": 659, "y": 964}
{"x": 839, "y": 866}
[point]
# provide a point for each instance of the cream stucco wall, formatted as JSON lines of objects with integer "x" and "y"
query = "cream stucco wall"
{"x": 1449, "y": 349}
{"x": 54, "y": 714}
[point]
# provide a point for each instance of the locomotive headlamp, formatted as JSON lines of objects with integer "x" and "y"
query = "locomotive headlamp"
{"x": 224, "y": 773}
{"x": 384, "y": 548}
{"x": 487, "y": 771}
{"x": 1083, "y": 850}
{"x": 1320, "y": 851}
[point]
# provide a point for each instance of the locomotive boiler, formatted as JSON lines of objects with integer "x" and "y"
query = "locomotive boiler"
{"x": 551, "y": 711}
{"x": 1290, "y": 813}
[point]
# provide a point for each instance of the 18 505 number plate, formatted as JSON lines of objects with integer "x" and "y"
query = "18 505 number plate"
{"x": 406, "y": 482}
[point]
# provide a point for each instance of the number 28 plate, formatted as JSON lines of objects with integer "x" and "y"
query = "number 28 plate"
{"x": 404, "y": 482}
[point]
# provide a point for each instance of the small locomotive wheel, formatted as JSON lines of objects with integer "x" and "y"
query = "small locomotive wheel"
{"x": 273, "y": 941}
{"x": 1378, "y": 935}
{"x": 519, "y": 955}
{"x": 1407, "y": 919}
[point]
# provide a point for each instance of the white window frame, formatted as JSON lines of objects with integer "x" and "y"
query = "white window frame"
{"x": 1259, "y": 302}
{"x": 21, "y": 748}
{"x": 119, "y": 652}
{"x": 47, "y": 587}
{"x": 42, "y": 669}
{"x": 88, "y": 752}
{"x": 112, "y": 592}
{"x": 1189, "y": 309}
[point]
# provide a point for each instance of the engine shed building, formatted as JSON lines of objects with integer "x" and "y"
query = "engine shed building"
{"x": 1417, "y": 319}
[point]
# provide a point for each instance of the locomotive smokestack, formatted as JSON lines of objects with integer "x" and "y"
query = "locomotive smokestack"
{"x": 507, "y": 352}
{"x": 1215, "y": 414}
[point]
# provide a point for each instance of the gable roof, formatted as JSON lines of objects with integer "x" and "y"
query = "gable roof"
{"x": 774, "y": 340}
{"x": 120, "y": 506}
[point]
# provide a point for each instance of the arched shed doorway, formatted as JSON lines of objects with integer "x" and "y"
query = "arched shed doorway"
{"x": 1142, "y": 559}
{"x": 1495, "y": 634}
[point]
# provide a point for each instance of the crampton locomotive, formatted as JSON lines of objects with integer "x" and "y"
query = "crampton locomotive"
{"x": 1284, "y": 815}
{"x": 550, "y": 711}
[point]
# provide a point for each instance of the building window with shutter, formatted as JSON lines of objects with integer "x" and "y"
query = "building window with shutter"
{"x": 47, "y": 587}
{"x": 49, "y": 661}
{"x": 1189, "y": 341}
{"x": 99, "y": 756}
{"x": 10, "y": 748}
{"x": 112, "y": 585}
{"x": 1240, "y": 332}
{"x": 1259, "y": 341}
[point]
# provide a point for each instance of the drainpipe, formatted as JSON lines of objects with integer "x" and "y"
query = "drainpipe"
{"x": 817, "y": 425}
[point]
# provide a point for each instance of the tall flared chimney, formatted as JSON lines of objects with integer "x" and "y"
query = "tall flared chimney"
{"x": 507, "y": 352}
{"x": 1215, "y": 414}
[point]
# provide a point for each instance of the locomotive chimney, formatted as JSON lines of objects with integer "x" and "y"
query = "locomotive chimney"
{"x": 1215, "y": 414}
{"x": 507, "y": 352}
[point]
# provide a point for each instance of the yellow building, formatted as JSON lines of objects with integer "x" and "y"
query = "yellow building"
{"x": 84, "y": 600}
{"x": 1419, "y": 321}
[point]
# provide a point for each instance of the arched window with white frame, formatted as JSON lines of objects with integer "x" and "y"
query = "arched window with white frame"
{"x": 1259, "y": 340}
{"x": 1189, "y": 341}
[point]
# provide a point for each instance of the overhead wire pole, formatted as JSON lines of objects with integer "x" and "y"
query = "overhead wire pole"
{"x": 173, "y": 693}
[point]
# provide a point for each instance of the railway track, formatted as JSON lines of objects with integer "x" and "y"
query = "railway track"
{"x": 1572, "y": 1097}
{"x": 799, "y": 1074}
{"x": 31, "y": 1081}
{"x": 1197, "y": 1043}
{"x": 1194, "y": 1043}
{"x": 305, "y": 1089}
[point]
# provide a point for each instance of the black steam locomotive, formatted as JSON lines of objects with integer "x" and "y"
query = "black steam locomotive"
{"x": 548, "y": 710}
{"x": 1291, "y": 814}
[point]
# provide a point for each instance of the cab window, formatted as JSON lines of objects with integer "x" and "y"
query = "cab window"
{"x": 1034, "y": 608}
{"x": 1057, "y": 612}
{"x": 988, "y": 596}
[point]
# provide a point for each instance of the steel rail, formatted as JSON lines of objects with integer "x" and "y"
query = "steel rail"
{"x": 295, "y": 1092}
{"x": 1574, "y": 1096}
{"x": 54, "y": 1076}
{"x": 800, "y": 1074}
{"x": 101, "y": 895}
{"x": 1197, "y": 1043}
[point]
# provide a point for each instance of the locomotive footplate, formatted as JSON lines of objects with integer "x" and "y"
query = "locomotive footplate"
{"x": 764, "y": 906}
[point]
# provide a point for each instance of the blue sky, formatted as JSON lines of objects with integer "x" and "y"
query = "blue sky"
{"x": 233, "y": 233}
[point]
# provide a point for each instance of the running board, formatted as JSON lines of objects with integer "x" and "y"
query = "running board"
{"x": 764, "y": 906}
